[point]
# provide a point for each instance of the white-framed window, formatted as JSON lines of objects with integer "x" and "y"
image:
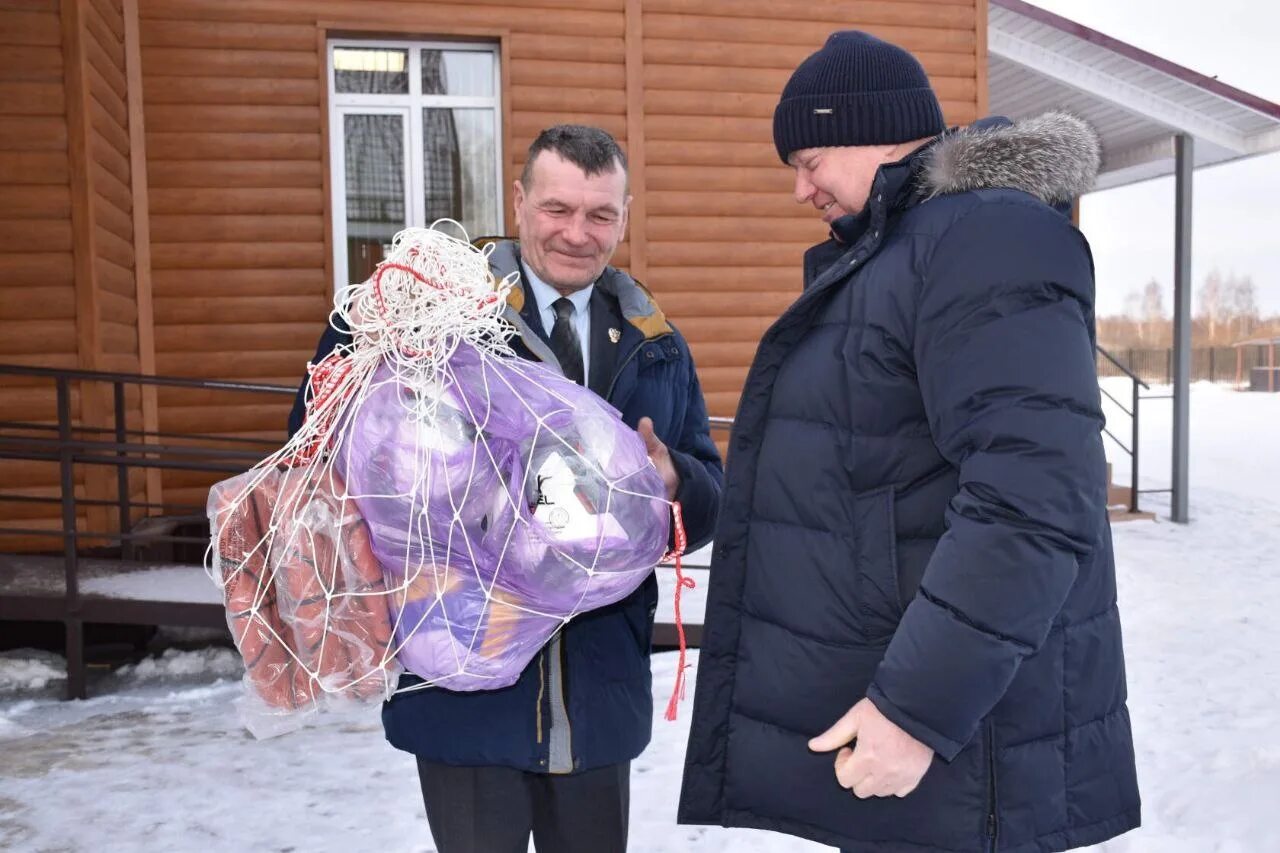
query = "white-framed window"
{"x": 415, "y": 130}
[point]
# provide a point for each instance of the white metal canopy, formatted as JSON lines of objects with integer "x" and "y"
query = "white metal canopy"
{"x": 1138, "y": 102}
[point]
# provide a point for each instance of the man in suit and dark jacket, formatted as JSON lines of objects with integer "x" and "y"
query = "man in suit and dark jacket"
{"x": 550, "y": 756}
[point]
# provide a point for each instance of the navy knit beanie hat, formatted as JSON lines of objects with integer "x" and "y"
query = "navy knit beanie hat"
{"x": 856, "y": 90}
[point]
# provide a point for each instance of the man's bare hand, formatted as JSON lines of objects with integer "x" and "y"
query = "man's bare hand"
{"x": 885, "y": 761}
{"x": 661, "y": 457}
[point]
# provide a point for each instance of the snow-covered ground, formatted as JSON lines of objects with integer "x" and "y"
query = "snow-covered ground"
{"x": 158, "y": 760}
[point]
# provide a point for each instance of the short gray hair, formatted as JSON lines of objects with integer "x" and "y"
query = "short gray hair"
{"x": 591, "y": 149}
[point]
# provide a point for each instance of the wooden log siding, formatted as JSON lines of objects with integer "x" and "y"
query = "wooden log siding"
{"x": 237, "y": 152}
{"x": 110, "y": 196}
{"x": 37, "y": 271}
{"x": 35, "y": 218}
{"x": 67, "y": 271}
{"x": 235, "y": 196}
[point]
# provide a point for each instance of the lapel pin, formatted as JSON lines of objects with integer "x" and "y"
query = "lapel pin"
{"x": 614, "y": 336}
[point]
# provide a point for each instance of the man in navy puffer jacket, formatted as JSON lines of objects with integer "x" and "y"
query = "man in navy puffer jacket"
{"x": 913, "y": 583}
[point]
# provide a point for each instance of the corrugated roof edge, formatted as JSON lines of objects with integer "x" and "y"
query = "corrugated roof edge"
{"x": 1159, "y": 63}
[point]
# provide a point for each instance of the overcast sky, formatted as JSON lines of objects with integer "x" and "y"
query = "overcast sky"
{"x": 1236, "y": 207}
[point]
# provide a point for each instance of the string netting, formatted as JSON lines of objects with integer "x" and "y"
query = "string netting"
{"x": 445, "y": 508}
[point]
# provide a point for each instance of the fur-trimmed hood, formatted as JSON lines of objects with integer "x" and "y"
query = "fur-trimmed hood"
{"x": 1054, "y": 157}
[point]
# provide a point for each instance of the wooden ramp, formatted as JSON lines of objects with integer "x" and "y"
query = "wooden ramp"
{"x": 122, "y": 592}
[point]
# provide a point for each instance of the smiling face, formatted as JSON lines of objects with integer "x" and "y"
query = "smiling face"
{"x": 837, "y": 181}
{"x": 570, "y": 223}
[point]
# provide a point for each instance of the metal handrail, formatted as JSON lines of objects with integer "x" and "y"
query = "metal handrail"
{"x": 143, "y": 379}
{"x": 67, "y": 445}
{"x": 181, "y": 436}
{"x": 1113, "y": 398}
{"x": 117, "y": 446}
{"x": 132, "y": 449}
{"x": 1136, "y": 384}
{"x": 55, "y": 445}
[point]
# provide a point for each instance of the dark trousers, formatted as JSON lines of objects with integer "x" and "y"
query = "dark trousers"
{"x": 495, "y": 809}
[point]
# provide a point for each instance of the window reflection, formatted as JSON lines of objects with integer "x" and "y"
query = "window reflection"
{"x": 457, "y": 72}
{"x": 459, "y": 149}
{"x": 370, "y": 71}
{"x": 375, "y": 188}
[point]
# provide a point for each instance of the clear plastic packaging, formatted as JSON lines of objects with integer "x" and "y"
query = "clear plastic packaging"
{"x": 445, "y": 508}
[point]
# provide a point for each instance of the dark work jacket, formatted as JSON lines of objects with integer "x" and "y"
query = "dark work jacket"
{"x": 603, "y": 667}
{"x": 915, "y": 513}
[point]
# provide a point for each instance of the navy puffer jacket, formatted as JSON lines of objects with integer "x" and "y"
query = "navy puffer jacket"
{"x": 915, "y": 512}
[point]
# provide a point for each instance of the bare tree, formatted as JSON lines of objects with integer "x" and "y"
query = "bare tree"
{"x": 1213, "y": 304}
{"x": 1133, "y": 310}
{"x": 1244, "y": 306}
{"x": 1153, "y": 314}
{"x": 1227, "y": 312}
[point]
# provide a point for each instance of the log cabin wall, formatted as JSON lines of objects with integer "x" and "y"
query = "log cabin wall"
{"x": 237, "y": 147}
{"x": 103, "y": 202}
{"x": 236, "y": 234}
{"x": 67, "y": 271}
{"x": 35, "y": 240}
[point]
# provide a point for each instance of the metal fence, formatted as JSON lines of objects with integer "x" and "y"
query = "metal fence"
{"x": 1208, "y": 364}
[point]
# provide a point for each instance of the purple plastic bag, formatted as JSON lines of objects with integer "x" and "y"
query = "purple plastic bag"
{"x": 517, "y": 502}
